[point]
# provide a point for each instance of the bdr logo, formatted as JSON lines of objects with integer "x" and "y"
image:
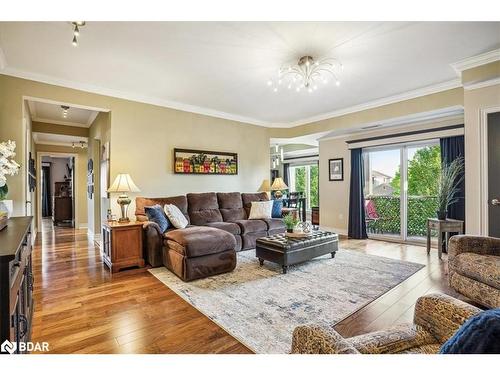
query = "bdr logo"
{"x": 11, "y": 347}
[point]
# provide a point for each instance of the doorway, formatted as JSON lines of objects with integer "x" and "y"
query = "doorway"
{"x": 400, "y": 189}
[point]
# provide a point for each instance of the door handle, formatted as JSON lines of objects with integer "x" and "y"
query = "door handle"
{"x": 495, "y": 202}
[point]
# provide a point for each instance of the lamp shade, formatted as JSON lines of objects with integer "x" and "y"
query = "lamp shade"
{"x": 123, "y": 184}
{"x": 278, "y": 184}
{"x": 265, "y": 186}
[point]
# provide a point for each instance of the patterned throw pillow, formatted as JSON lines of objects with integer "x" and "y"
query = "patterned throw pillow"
{"x": 478, "y": 335}
{"x": 276, "y": 213}
{"x": 157, "y": 215}
{"x": 175, "y": 216}
{"x": 261, "y": 210}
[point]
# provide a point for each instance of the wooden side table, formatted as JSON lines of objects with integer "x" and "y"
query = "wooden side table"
{"x": 443, "y": 226}
{"x": 122, "y": 245}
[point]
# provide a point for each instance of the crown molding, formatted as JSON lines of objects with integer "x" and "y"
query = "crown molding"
{"x": 481, "y": 84}
{"x": 475, "y": 61}
{"x": 433, "y": 89}
{"x": 130, "y": 96}
{"x": 59, "y": 122}
{"x": 91, "y": 119}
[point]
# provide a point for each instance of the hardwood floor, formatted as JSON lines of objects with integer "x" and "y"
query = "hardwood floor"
{"x": 81, "y": 308}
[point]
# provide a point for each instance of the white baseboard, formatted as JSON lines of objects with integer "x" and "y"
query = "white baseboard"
{"x": 83, "y": 226}
{"x": 334, "y": 230}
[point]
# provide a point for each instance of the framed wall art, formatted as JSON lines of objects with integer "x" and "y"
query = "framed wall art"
{"x": 205, "y": 162}
{"x": 336, "y": 169}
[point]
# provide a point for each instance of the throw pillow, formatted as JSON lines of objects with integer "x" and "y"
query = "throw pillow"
{"x": 157, "y": 215}
{"x": 276, "y": 212}
{"x": 261, "y": 210}
{"x": 175, "y": 216}
{"x": 478, "y": 335}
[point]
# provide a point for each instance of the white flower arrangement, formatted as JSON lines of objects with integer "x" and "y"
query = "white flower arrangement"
{"x": 8, "y": 166}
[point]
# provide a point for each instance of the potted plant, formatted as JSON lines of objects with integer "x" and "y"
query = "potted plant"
{"x": 290, "y": 222}
{"x": 8, "y": 167}
{"x": 449, "y": 180}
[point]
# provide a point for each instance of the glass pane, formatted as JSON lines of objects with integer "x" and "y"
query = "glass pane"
{"x": 313, "y": 186}
{"x": 424, "y": 166}
{"x": 382, "y": 192}
{"x": 299, "y": 180}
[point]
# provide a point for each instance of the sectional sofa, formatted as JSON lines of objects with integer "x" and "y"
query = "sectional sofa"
{"x": 218, "y": 228}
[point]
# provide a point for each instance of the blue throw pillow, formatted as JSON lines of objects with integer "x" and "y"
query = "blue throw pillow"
{"x": 478, "y": 335}
{"x": 277, "y": 208}
{"x": 157, "y": 215}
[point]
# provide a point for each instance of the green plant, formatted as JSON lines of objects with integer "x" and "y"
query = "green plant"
{"x": 448, "y": 185}
{"x": 290, "y": 221}
{"x": 3, "y": 192}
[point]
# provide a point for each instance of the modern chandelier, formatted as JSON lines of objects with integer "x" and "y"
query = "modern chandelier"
{"x": 76, "y": 31}
{"x": 307, "y": 74}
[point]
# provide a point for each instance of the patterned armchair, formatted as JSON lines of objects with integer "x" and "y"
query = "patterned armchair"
{"x": 437, "y": 317}
{"x": 474, "y": 268}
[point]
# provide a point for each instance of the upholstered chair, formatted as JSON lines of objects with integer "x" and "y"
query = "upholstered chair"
{"x": 474, "y": 268}
{"x": 436, "y": 318}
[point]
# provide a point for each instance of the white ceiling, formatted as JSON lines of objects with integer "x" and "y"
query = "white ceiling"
{"x": 56, "y": 139}
{"x": 53, "y": 113}
{"x": 221, "y": 68}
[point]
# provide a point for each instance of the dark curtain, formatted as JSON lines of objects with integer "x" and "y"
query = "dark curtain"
{"x": 452, "y": 148}
{"x": 46, "y": 204}
{"x": 357, "y": 223}
{"x": 286, "y": 173}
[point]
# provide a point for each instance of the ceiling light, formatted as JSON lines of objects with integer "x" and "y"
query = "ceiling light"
{"x": 65, "y": 109}
{"x": 307, "y": 72}
{"x": 76, "y": 31}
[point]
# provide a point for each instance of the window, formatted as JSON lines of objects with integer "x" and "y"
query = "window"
{"x": 400, "y": 188}
{"x": 304, "y": 178}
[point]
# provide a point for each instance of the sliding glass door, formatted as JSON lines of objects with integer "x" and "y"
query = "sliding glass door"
{"x": 400, "y": 187}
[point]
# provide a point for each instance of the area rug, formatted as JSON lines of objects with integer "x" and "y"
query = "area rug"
{"x": 260, "y": 306}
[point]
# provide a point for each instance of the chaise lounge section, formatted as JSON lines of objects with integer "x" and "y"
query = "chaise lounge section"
{"x": 218, "y": 228}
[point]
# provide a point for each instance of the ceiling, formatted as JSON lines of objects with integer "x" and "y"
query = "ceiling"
{"x": 57, "y": 139}
{"x": 221, "y": 68}
{"x": 53, "y": 113}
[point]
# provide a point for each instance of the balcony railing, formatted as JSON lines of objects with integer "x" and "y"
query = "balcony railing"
{"x": 383, "y": 215}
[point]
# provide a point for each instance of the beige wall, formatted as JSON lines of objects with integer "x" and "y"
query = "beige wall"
{"x": 80, "y": 179}
{"x": 143, "y": 137}
{"x": 476, "y": 101}
{"x": 44, "y": 127}
{"x": 481, "y": 73}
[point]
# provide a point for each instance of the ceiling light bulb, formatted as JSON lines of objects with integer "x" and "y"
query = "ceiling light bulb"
{"x": 325, "y": 81}
{"x": 315, "y": 87}
{"x": 342, "y": 67}
{"x": 276, "y": 148}
{"x": 75, "y": 41}
{"x": 275, "y": 89}
{"x": 337, "y": 83}
{"x": 289, "y": 86}
{"x": 73, "y": 145}
{"x": 297, "y": 89}
{"x": 310, "y": 89}
{"x": 81, "y": 144}
{"x": 76, "y": 32}
{"x": 279, "y": 82}
{"x": 269, "y": 83}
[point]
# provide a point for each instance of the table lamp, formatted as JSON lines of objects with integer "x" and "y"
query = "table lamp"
{"x": 265, "y": 186}
{"x": 277, "y": 186}
{"x": 123, "y": 184}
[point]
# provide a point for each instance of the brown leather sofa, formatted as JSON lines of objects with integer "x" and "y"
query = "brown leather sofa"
{"x": 218, "y": 227}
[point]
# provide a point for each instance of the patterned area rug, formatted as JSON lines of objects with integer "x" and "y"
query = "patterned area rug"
{"x": 260, "y": 306}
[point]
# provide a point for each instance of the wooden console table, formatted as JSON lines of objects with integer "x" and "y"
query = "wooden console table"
{"x": 122, "y": 245}
{"x": 443, "y": 226}
{"x": 16, "y": 283}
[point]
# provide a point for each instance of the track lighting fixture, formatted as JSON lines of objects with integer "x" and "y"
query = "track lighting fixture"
{"x": 76, "y": 31}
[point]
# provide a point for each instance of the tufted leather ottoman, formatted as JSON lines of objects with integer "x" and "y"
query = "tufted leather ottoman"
{"x": 290, "y": 250}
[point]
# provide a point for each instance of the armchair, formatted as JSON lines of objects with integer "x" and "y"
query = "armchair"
{"x": 437, "y": 317}
{"x": 474, "y": 268}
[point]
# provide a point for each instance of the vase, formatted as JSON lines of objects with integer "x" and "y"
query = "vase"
{"x": 289, "y": 230}
{"x": 7, "y": 205}
{"x": 442, "y": 215}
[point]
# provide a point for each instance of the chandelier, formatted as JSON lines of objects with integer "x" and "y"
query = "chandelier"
{"x": 307, "y": 74}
